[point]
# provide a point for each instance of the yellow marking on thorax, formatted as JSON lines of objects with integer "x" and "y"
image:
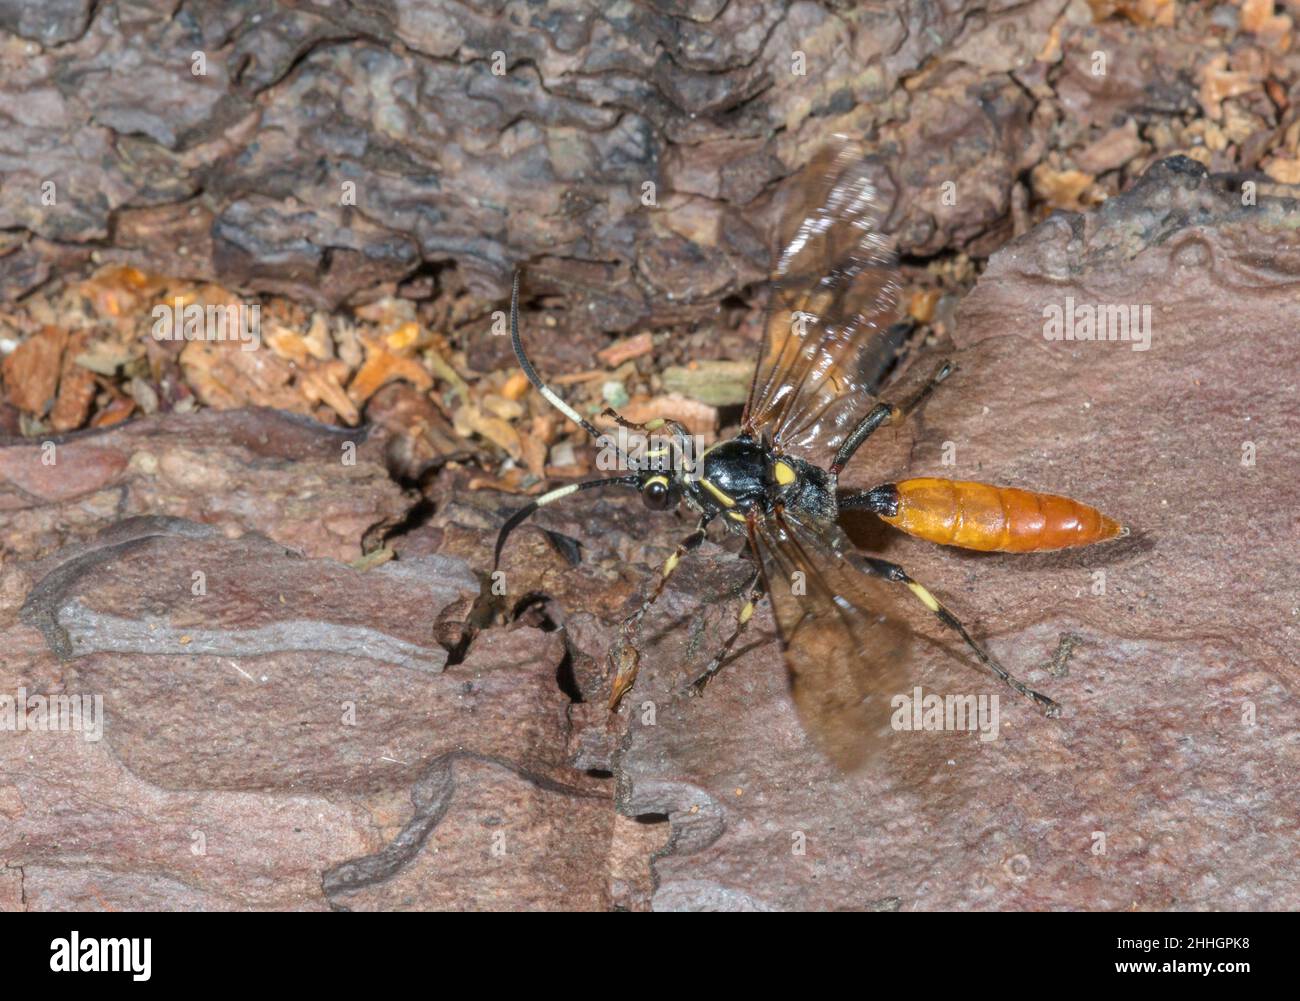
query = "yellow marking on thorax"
{"x": 723, "y": 499}
{"x": 785, "y": 474}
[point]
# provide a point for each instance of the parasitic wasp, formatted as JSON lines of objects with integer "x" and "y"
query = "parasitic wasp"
{"x": 828, "y": 343}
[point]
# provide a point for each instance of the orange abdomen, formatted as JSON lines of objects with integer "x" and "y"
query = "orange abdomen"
{"x": 1001, "y": 519}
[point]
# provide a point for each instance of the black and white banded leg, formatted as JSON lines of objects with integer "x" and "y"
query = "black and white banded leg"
{"x": 896, "y": 574}
{"x": 692, "y": 541}
{"x": 755, "y": 589}
{"x": 624, "y": 656}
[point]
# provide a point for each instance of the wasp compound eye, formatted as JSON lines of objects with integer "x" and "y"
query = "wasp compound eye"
{"x": 657, "y": 493}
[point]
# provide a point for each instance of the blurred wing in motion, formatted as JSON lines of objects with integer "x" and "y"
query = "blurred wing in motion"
{"x": 826, "y": 342}
{"x": 846, "y": 659}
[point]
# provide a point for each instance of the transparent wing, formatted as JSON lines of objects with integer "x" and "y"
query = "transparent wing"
{"x": 847, "y": 658}
{"x": 826, "y": 342}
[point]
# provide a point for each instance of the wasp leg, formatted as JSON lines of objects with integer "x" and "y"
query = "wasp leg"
{"x": 678, "y": 442}
{"x": 627, "y": 665}
{"x": 755, "y": 587}
{"x": 883, "y": 413}
{"x": 893, "y": 572}
{"x": 623, "y": 422}
{"x": 687, "y": 544}
{"x": 657, "y": 424}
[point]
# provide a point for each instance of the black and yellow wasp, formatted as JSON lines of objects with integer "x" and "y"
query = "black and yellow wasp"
{"x": 827, "y": 344}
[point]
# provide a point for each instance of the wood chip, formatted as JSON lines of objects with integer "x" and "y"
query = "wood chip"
{"x": 515, "y": 387}
{"x": 1061, "y": 189}
{"x": 1218, "y": 84}
{"x": 31, "y": 372}
{"x": 77, "y": 388}
{"x": 1111, "y": 150}
{"x": 225, "y": 377}
{"x": 469, "y": 419}
{"x": 1285, "y": 169}
{"x": 383, "y": 366}
{"x": 404, "y": 338}
{"x": 324, "y": 385}
{"x": 1144, "y": 13}
{"x": 371, "y": 560}
{"x": 574, "y": 378}
{"x": 499, "y": 406}
{"x": 119, "y": 409}
{"x": 105, "y": 358}
{"x": 534, "y": 454}
{"x": 1274, "y": 30}
{"x": 921, "y": 305}
{"x": 717, "y": 383}
{"x": 625, "y": 350}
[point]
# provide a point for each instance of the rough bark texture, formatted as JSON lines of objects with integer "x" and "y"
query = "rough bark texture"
{"x": 291, "y": 722}
{"x": 224, "y": 141}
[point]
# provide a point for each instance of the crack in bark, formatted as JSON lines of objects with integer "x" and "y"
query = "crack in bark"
{"x": 431, "y": 796}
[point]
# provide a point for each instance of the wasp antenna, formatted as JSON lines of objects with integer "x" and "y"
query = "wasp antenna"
{"x": 552, "y": 397}
{"x": 559, "y": 493}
